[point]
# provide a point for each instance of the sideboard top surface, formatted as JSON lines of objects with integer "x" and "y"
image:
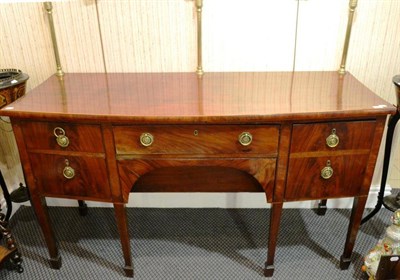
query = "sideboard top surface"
{"x": 185, "y": 97}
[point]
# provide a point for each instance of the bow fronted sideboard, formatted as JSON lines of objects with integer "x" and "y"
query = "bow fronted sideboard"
{"x": 290, "y": 135}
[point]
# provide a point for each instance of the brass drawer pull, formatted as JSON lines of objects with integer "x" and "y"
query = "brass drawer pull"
{"x": 245, "y": 138}
{"x": 68, "y": 171}
{"x": 327, "y": 171}
{"x": 332, "y": 140}
{"x": 62, "y": 139}
{"x": 146, "y": 139}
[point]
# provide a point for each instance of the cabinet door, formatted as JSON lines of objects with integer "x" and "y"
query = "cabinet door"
{"x": 305, "y": 179}
{"x": 79, "y": 138}
{"x": 71, "y": 176}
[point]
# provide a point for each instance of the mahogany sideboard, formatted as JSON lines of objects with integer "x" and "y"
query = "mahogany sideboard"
{"x": 290, "y": 135}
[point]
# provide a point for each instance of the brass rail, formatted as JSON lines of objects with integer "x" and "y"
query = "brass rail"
{"x": 49, "y": 9}
{"x": 352, "y": 8}
{"x": 199, "y": 9}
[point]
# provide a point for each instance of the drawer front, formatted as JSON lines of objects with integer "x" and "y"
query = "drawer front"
{"x": 87, "y": 179}
{"x": 82, "y": 138}
{"x": 305, "y": 181}
{"x": 202, "y": 139}
{"x": 350, "y": 136}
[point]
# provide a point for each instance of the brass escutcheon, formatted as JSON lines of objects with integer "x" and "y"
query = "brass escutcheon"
{"x": 146, "y": 139}
{"x": 61, "y": 138}
{"x": 327, "y": 171}
{"x": 68, "y": 171}
{"x": 332, "y": 140}
{"x": 245, "y": 138}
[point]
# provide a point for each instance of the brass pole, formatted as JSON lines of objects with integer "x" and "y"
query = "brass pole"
{"x": 49, "y": 9}
{"x": 63, "y": 94}
{"x": 352, "y": 8}
{"x": 199, "y": 8}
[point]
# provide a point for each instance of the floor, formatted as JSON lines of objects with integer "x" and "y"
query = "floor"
{"x": 193, "y": 243}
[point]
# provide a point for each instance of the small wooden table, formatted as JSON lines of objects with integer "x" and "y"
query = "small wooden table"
{"x": 292, "y": 136}
{"x": 8, "y": 246}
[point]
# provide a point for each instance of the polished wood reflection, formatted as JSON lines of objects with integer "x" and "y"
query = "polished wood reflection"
{"x": 184, "y": 97}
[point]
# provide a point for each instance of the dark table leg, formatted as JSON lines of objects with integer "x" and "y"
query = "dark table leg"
{"x": 388, "y": 148}
{"x": 321, "y": 210}
{"x": 83, "y": 209}
{"x": 7, "y": 197}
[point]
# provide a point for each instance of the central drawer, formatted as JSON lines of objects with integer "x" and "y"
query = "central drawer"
{"x": 254, "y": 140}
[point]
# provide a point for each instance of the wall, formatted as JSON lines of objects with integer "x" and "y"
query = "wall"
{"x": 160, "y": 35}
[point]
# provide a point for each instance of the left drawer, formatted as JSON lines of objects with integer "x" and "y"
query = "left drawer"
{"x": 71, "y": 176}
{"x": 63, "y": 136}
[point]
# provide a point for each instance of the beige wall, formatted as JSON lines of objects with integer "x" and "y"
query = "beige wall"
{"x": 238, "y": 35}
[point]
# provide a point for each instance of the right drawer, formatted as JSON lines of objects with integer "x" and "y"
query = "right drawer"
{"x": 328, "y": 160}
{"x": 356, "y": 135}
{"x": 305, "y": 180}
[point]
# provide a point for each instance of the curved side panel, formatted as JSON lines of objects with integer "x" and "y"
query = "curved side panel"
{"x": 197, "y": 175}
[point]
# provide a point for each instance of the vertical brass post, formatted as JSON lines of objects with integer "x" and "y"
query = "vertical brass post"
{"x": 199, "y": 8}
{"x": 49, "y": 9}
{"x": 63, "y": 93}
{"x": 339, "y": 101}
{"x": 352, "y": 8}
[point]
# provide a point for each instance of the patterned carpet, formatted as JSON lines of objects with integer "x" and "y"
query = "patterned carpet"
{"x": 193, "y": 244}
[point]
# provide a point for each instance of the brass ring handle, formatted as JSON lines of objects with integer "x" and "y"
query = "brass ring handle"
{"x": 68, "y": 171}
{"x": 332, "y": 140}
{"x": 327, "y": 171}
{"x": 146, "y": 139}
{"x": 61, "y": 138}
{"x": 245, "y": 138}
